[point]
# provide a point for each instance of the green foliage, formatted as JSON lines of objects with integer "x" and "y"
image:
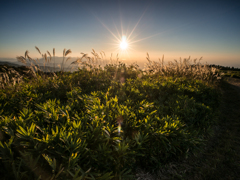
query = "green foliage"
{"x": 102, "y": 123}
{"x": 230, "y": 73}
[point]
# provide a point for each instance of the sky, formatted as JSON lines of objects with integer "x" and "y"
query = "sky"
{"x": 173, "y": 28}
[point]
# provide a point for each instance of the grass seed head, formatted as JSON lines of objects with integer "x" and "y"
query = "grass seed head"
{"x": 38, "y": 50}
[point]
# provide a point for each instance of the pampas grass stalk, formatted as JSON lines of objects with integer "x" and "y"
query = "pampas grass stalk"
{"x": 65, "y": 53}
{"x": 54, "y": 58}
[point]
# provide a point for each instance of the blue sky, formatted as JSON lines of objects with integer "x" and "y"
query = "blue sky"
{"x": 175, "y": 28}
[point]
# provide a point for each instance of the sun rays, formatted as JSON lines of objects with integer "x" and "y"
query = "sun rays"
{"x": 124, "y": 39}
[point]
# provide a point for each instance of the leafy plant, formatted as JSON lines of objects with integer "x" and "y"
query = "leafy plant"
{"x": 104, "y": 122}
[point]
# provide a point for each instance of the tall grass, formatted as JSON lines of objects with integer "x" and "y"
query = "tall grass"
{"x": 178, "y": 68}
{"x": 182, "y": 68}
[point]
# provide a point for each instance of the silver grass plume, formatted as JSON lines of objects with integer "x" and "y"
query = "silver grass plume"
{"x": 26, "y": 54}
{"x": 64, "y": 52}
{"x": 68, "y": 52}
{"x": 21, "y": 59}
{"x": 38, "y": 50}
{"x": 49, "y": 55}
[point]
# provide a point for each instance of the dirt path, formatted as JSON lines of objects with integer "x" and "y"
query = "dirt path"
{"x": 221, "y": 158}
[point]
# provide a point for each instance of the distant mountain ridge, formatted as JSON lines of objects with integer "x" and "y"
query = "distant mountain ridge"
{"x": 54, "y": 62}
{"x": 9, "y": 63}
{"x": 58, "y": 60}
{"x": 53, "y": 65}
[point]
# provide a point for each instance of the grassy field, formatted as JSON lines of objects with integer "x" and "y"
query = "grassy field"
{"x": 104, "y": 122}
{"x": 231, "y": 73}
{"x": 227, "y": 71}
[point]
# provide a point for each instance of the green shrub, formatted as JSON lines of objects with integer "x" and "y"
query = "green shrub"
{"x": 102, "y": 123}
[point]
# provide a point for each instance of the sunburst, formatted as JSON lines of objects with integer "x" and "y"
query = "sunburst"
{"x": 124, "y": 41}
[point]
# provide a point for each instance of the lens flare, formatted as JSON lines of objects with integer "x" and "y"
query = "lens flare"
{"x": 119, "y": 122}
{"x": 119, "y": 128}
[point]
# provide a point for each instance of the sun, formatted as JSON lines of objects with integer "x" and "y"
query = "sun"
{"x": 124, "y": 40}
{"x": 123, "y": 43}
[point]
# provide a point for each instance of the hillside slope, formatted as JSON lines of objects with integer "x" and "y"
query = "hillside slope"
{"x": 221, "y": 158}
